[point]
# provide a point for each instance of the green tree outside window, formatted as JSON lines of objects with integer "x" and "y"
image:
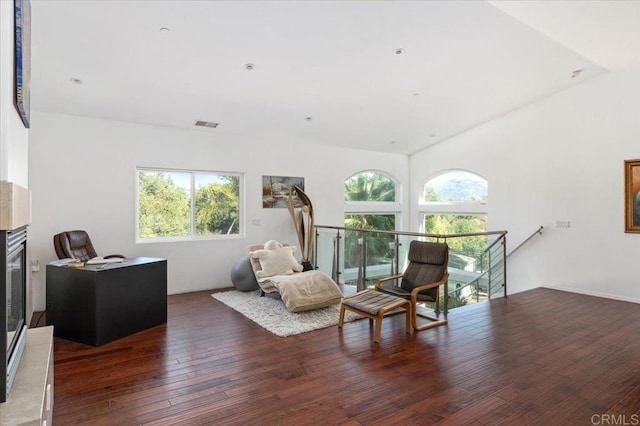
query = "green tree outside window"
{"x": 369, "y": 187}
{"x": 165, "y": 204}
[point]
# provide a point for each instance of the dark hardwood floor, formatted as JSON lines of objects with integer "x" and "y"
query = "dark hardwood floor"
{"x": 539, "y": 357}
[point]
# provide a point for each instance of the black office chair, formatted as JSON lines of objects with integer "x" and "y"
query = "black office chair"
{"x": 77, "y": 245}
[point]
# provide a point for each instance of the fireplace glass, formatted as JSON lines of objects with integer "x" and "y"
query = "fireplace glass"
{"x": 13, "y": 307}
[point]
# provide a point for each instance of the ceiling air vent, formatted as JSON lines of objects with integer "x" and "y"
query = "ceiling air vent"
{"x": 209, "y": 124}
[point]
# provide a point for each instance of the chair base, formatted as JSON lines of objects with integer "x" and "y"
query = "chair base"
{"x": 433, "y": 322}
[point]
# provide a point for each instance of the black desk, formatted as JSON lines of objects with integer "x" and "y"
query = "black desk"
{"x": 96, "y": 305}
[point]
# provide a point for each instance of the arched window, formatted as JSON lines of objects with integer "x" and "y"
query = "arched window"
{"x": 370, "y": 187}
{"x": 455, "y": 202}
{"x": 458, "y": 186}
{"x": 371, "y": 201}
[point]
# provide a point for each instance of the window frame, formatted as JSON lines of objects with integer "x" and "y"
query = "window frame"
{"x": 192, "y": 236}
{"x": 375, "y": 207}
{"x": 467, "y": 208}
{"x": 361, "y": 208}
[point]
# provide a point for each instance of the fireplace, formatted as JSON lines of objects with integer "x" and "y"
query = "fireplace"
{"x": 13, "y": 245}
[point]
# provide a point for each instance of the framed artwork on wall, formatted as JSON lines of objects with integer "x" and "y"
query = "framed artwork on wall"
{"x": 632, "y": 196}
{"x": 22, "y": 11}
{"x": 276, "y": 189}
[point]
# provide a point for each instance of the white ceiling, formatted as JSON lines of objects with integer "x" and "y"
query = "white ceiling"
{"x": 464, "y": 63}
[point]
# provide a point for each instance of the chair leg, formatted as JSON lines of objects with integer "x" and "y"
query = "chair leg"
{"x": 407, "y": 320}
{"x": 376, "y": 337}
{"x": 341, "y": 320}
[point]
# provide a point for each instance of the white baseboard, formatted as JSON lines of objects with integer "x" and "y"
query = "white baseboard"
{"x": 594, "y": 293}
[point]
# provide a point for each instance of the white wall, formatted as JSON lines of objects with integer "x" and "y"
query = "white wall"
{"x": 82, "y": 175}
{"x": 559, "y": 159}
{"x": 14, "y": 137}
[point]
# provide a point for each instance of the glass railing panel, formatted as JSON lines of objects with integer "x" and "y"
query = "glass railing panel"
{"x": 403, "y": 252}
{"x": 485, "y": 280}
{"x": 497, "y": 261}
{"x": 360, "y": 257}
{"x": 466, "y": 266}
{"x": 352, "y": 257}
{"x": 380, "y": 257}
{"x": 325, "y": 252}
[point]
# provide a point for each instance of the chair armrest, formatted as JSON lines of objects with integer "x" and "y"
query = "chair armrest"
{"x": 115, "y": 255}
{"x": 381, "y": 280}
{"x": 415, "y": 291}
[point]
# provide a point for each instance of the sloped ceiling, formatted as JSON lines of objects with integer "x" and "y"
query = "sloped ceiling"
{"x": 606, "y": 32}
{"x": 324, "y": 72}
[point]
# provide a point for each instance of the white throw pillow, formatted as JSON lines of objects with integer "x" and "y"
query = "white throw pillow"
{"x": 276, "y": 260}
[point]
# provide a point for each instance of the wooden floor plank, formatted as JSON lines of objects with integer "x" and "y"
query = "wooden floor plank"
{"x": 537, "y": 357}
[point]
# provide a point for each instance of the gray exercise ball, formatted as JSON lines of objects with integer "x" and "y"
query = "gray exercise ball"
{"x": 242, "y": 276}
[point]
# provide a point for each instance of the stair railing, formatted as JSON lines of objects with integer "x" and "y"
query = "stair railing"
{"x": 536, "y": 232}
{"x": 490, "y": 251}
{"x": 495, "y": 274}
{"x": 365, "y": 269}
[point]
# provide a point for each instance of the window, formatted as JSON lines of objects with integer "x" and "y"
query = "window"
{"x": 371, "y": 202}
{"x": 455, "y": 202}
{"x": 179, "y": 205}
{"x": 371, "y": 187}
{"x": 457, "y": 186}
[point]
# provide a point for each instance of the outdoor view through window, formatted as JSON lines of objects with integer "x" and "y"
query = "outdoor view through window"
{"x": 187, "y": 204}
{"x": 455, "y": 204}
{"x": 366, "y": 194}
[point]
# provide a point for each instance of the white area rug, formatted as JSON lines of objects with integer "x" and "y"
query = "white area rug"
{"x": 270, "y": 313}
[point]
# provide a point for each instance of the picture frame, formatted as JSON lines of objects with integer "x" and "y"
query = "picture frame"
{"x": 632, "y": 196}
{"x": 22, "y": 14}
{"x": 276, "y": 190}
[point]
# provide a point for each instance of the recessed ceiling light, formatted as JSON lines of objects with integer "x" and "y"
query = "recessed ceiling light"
{"x": 576, "y": 73}
{"x": 308, "y": 118}
{"x": 249, "y": 67}
{"x": 392, "y": 142}
{"x": 75, "y": 80}
{"x": 432, "y": 135}
{"x": 416, "y": 95}
{"x": 399, "y": 51}
{"x": 164, "y": 30}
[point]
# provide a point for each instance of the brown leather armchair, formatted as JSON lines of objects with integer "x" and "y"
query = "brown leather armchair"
{"x": 420, "y": 282}
{"x": 77, "y": 245}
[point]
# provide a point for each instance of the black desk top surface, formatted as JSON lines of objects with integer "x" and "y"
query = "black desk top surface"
{"x": 132, "y": 261}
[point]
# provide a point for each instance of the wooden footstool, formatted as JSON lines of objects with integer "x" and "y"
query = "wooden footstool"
{"x": 375, "y": 305}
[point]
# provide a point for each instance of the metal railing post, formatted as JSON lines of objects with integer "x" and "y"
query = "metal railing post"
{"x": 360, "y": 265}
{"x": 489, "y": 277}
{"x": 393, "y": 248}
{"x": 445, "y": 309}
{"x": 504, "y": 260}
{"x": 361, "y": 282}
{"x": 315, "y": 250}
{"x": 335, "y": 270}
{"x": 397, "y": 257}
